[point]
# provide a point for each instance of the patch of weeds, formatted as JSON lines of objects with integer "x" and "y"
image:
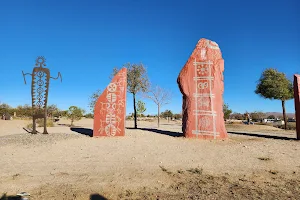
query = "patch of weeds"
{"x": 128, "y": 193}
{"x": 164, "y": 169}
{"x": 273, "y": 172}
{"x": 264, "y": 158}
{"x": 195, "y": 171}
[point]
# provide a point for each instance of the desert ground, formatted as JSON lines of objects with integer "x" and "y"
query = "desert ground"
{"x": 255, "y": 162}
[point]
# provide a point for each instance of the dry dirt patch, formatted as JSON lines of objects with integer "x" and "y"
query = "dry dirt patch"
{"x": 147, "y": 163}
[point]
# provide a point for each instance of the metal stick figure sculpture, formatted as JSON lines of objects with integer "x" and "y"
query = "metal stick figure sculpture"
{"x": 39, "y": 91}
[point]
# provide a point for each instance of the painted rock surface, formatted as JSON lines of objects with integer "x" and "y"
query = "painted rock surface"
{"x": 201, "y": 84}
{"x": 297, "y": 102}
{"x": 109, "y": 112}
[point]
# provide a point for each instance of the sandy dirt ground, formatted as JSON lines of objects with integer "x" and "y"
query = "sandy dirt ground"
{"x": 260, "y": 162}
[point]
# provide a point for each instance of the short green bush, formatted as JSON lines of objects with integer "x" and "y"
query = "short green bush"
{"x": 40, "y": 123}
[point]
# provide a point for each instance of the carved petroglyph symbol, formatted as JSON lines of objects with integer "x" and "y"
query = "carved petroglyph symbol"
{"x": 203, "y": 53}
{"x": 204, "y": 123}
{"x": 110, "y": 130}
{"x": 111, "y": 97}
{"x": 203, "y": 102}
{"x": 112, "y": 87}
{"x": 202, "y": 69}
{"x": 111, "y": 118}
{"x": 203, "y": 85}
{"x": 212, "y": 44}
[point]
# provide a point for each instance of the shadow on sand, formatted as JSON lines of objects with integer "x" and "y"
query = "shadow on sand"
{"x": 97, "y": 197}
{"x": 163, "y": 132}
{"x": 83, "y": 131}
{"x": 262, "y": 135}
{"x": 4, "y": 197}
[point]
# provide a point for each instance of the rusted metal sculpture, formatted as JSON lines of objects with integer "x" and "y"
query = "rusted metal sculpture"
{"x": 39, "y": 91}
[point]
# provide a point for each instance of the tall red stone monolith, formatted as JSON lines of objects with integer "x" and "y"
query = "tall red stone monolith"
{"x": 109, "y": 112}
{"x": 201, "y": 84}
{"x": 297, "y": 103}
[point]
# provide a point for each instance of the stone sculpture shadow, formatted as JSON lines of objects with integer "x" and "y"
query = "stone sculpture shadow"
{"x": 262, "y": 135}
{"x": 97, "y": 197}
{"x": 5, "y": 197}
{"x": 83, "y": 131}
{"x": 162, "y": 132}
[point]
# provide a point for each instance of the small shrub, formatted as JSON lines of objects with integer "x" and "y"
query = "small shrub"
{"x": 264, "y": 158}
{"x": 195, "y": 171}
{"x": 273, "y": 172}
{"x": 40, "y": 123}
{"x": 290, "y": 126}
{"x": 165, "y": 170}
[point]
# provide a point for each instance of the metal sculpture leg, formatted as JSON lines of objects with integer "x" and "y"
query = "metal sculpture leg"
{"x": 45, "y": 126}
{"x": 33, "y": 125}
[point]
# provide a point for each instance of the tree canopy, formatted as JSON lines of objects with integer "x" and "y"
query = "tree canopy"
{"x": 226, "y": 111}
{"x": 274, "y": 85}
{"x": 75, "y": 113}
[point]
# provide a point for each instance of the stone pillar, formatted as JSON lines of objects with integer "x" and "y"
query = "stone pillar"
{"x": 110, "y": 109}
{"x": 297, "y": 103}
{"x": 201, "y": 84}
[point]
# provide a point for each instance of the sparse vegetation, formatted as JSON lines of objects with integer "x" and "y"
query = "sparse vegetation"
{"x": 195, "y": 171}
{"x": 93, "y": 99}
{"x": 40, "y": 123}
{"x": 165, "y": 170}
{"x": 74, "y": 114}
{"x": 226, "y": 111}
{"x": 273, "y": 172}
{"x": 264, "y": 158}
{"x": 160, "y": 97}
{"x": 141, "y": 107}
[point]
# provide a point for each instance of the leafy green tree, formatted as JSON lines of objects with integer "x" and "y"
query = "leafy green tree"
{"x": 89, "y": 115}
{"x": 271, "y": 117}
{"x": 178, "y": 116}
{"x": 75, "y": 114}
{"x": 24, "y": 111}
{"x": 226, "y": 111}
{"x": 237, "y": 116}
{"x": 4, "y": 108}
{"x": 52, "y": 110}
{"x": 93, "y": 100}
{"x": 167, "y": 114}
{"x": 141, "y": 108}
{"x": 257, "y": 116}
{"x": 275, "y": 85}
{"x": 137, "y": 81}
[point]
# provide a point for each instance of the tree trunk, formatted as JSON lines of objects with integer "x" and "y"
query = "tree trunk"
{"x": 284, "y": 114}
{"x": 158, "y": 115}
{"x": 134, "y": 107}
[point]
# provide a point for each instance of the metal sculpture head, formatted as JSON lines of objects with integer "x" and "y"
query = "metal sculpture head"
{"x": 40, "y": 61}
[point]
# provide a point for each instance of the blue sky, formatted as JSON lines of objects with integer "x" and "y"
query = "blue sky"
{"x": 84, "y": 40}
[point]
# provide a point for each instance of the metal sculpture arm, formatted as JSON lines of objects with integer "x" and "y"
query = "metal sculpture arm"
{"x": 25, "y": 75}
{"x": 58, "y": 76}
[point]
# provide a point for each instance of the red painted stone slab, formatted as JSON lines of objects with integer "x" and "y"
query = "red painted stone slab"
{"x": 201, "y": 84}
{"x": 109, "y": 112}
{"x": 297, "y": 102}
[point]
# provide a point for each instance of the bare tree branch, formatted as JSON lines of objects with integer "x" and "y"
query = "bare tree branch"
{"x": 160, "y": 97}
